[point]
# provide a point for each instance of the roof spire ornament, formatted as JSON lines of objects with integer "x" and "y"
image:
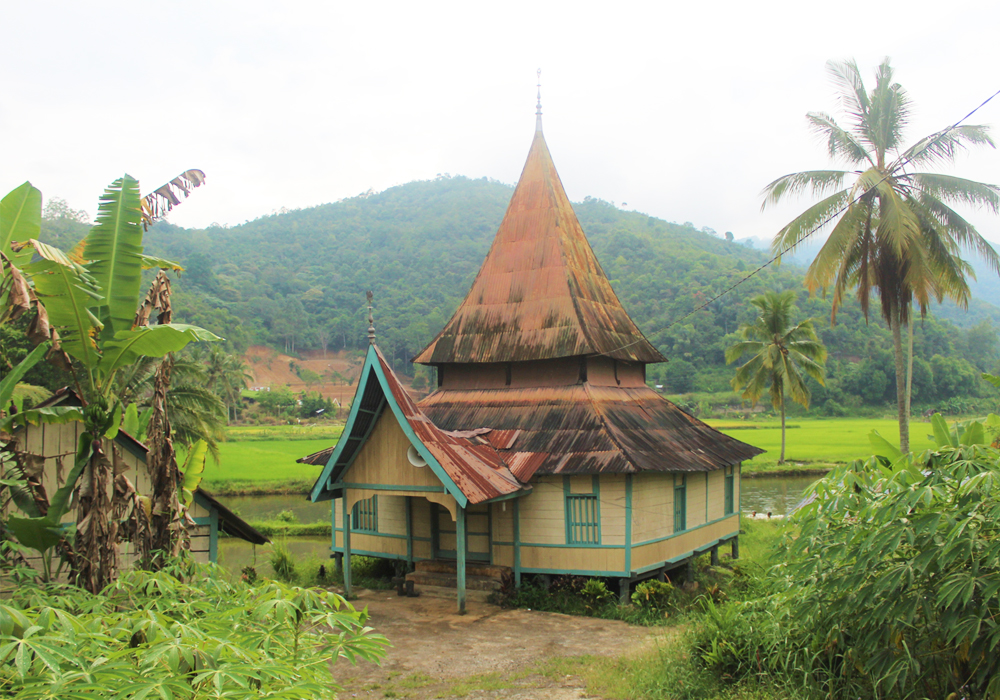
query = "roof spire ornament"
{"x": 371, "y": 321}
{"x": 538, "y": 106}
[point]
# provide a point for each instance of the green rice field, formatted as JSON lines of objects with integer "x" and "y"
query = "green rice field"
{"x": 818, "y": 442}
{"x": 264, "y": 462}
{"x": 262, "y": 459}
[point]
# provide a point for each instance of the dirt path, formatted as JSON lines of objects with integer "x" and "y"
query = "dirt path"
{"x": 487, "y": 653}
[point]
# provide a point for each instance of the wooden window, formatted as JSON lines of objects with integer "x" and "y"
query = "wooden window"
{"x": 583, "y": 526}
{"x": 730, "y": 490}
{"x": 680, "y": 502}
{"x": 364, "y": 517}
{"x": 583, "y": 513}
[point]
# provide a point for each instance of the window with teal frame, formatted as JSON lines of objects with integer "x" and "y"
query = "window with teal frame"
{"x": 730, "y": 490}
{"x": 680, "y": 502}
{"x": 583, "y": 515}
{"x": 364, "y": 517}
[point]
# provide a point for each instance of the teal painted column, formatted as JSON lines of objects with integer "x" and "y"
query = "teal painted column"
{"x": 347, "y": 547}
{"x": 517, "y": 542}
{"x": 460, "y": 553}
{"x": 409, "y": 532}
{"x": 628, "y": 525}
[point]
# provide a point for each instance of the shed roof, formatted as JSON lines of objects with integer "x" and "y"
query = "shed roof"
{"x": 587, "y": 429}
{"x": 469, "y": 466}
{"x": 540, "y": 293}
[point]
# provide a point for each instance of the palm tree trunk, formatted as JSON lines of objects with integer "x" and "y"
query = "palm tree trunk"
{"x": 901, "y": 402}
{"x": 781, "y": 460}
{"x": 909, "y": 363}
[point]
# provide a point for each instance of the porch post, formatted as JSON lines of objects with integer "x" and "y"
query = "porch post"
{"x": 347, "y": 547}
{"x": 460, "y": 556}
{"x": 409, "y": 533}
{"x": 517, "y": 542}
{"x": 736, "y": 548}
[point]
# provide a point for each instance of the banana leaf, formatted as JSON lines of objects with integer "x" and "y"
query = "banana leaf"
{"x": 149, "y": 341}
{"x": 9, "y": 382}
{"x": 50, "y": 415}
{"x": 114, "y": 249}
{"x": 194, "y": 469}
{"x": 67, "y": 292}
{"x": 20, "y": 219}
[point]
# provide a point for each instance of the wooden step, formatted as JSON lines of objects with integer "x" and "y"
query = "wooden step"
{"x": 449, "y": 594}
{"x": 439, "y": 566}
{"x": 450, "y": 580}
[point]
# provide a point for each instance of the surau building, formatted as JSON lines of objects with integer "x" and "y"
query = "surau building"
{"x": 542, "y": 449}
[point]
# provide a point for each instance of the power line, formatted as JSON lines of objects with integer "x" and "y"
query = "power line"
{"x": 896, "y": 166}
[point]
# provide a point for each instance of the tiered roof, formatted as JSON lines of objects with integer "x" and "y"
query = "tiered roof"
{"x": 540, "y": 293}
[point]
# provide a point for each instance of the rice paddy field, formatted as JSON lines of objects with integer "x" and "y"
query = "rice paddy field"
{"x": 261, "y": 459}
{"x": 817, "y": 443}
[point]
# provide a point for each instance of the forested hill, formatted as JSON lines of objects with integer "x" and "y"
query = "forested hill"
{"x": 296, "y": 280}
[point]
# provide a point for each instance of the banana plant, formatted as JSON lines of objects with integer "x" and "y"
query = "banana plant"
{"x": 89, "y": 299}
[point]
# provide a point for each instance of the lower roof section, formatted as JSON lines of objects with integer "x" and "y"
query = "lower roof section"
{"x": 468, "y": 466}
{"x": 586, "y": 429}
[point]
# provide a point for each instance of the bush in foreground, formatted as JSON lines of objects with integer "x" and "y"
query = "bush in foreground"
{"x": 890, "y": 589}
{"x": 185, "y": 632}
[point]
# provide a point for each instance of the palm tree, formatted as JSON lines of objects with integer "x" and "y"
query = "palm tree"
{"x": 780, "y": 352}
{"x": 897, "y": 234}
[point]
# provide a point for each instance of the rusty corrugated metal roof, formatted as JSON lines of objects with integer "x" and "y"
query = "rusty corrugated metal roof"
{"x": 540, "y": 293}
{"x": 468, "y": 459}
{"x": 587, "y": 429}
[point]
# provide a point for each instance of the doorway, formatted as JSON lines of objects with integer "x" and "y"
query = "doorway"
{"x": 477, "y": 533}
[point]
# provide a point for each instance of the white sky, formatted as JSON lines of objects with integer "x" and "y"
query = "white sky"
{"x": 682, "y": 110}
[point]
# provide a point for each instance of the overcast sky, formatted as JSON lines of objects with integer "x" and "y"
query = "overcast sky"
{"x": 681, "y": 110}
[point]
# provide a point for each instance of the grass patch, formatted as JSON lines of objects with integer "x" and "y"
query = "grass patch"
{"x": 281, "y": 528}
{"x": 817, "y": 443}
{"x": 265, "y": 461}
{"x": 253, "y": 433}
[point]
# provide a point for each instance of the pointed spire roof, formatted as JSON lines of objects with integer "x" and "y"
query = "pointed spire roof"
{"x": 540, "y": 293}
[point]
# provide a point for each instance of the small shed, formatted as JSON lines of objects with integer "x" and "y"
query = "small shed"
{"x": 541, "y": 449}
{"x": 52, "y": 449}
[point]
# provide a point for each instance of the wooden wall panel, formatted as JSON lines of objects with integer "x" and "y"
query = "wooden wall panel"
{"x": 503, "y": 521}
{"x": 717, "y": 494}
{"x": 573, "y": 558}
{"x": 683, "y": 543}
{"x": 696, "y": 493}
{"x": 543, "y": 512}
{"x": 652, "y": 506}
{"x": 382, "y": 459}
{"x": 613, "y": 508}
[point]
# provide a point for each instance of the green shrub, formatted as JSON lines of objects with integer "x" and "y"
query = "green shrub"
{"x": 286, "y": 516}
{"x": 283, "y": 562}
{"x": 653, "y": 594}
{"x": 185, "y": 632}
{"x": 902, "y": 562}
{"x": 595, "y": 595}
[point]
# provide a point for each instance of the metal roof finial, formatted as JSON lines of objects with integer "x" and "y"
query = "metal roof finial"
{"x": 371, "y": 321}
{"x": 538, "y": 106}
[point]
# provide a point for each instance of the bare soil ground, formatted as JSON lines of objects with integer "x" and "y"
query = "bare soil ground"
{"x": 271, "y": 368}
{"x": 487, "y": 653}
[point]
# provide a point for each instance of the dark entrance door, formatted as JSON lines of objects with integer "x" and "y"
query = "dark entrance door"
{"x": 477, "y": 533}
